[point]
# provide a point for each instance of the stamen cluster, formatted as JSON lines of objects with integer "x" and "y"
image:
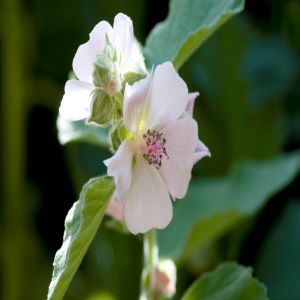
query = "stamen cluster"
{"x": 155, "y": 147}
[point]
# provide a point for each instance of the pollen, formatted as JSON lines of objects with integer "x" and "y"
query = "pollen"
{"x": 155, "y": 148}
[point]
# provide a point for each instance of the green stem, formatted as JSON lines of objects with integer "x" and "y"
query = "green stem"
{"x": 150, "y": 263}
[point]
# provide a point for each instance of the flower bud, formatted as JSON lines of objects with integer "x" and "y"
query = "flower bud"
{"x": 164, "y": 280}
{"x": 107, "y": 75}
{"x": 102, "y": 106}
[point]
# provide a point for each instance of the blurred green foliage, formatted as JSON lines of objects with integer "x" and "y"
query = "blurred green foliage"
{"x": 249, "y": 108}
{"x": 233, "y": 281}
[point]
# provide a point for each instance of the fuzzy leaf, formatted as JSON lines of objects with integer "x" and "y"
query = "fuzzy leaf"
{"x": 81, "y": 225}
{"x": 187, "y": 26}
{"x": 229, "y": 281}
{"x": 74, "y": 131}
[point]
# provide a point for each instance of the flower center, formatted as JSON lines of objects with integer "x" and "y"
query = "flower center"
{"x": 155, "y": 147}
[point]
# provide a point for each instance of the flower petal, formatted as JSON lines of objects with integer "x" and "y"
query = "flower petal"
{"x": 200, "y": 152}
{"x": 147, "y": 203}
{"x": 115, "y": 209}
{"x": 124, "y": 37}
{"x": 191, "y": 101}
{"x": 86, "y": 55}
{"x": 181, "y": 139}
{"x": 75, "y": 104}
{"x": 135, "y": 103}
{"x": 168, "y": 96}
{"x": 120, "y": 167}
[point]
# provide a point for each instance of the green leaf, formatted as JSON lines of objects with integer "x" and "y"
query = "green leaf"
{"x": 234, "y": 111}
{"x": 212, "y": 206}
{"x": 278, "y": 261}
{"x": 229, "y": 281}
{"x": 187, "y": 26}
{"x": 74, "y": 131}
{"x": 102, "y": 108}
{"x": 81, "y": 225}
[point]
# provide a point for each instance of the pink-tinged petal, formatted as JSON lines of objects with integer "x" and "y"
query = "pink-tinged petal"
{"x": 164, "y": 279}
{"x": 200, "y": 152}
{"x": 135, "y": 103}
{"x": 168, "y": 96}
{"x": 86, "y": 55}
{"x": 191, "y": 101}
{"x": 181, "y": 140}
{"x": 120, "y": 167}
{"x": 147, "y": 203}
{"x": 115, "y": 209}
{"x": 124, "y": 37}
{"x": 75, "y": 104}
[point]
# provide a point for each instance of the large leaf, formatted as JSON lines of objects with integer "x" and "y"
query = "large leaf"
{"x": 229, "y": 281}
{"x": 214, "y": 205}
{"x": 73, "y": 131}
{"x": 278, "y": 263}
{"x": 242, "y": 90}
{"x": 187, "y": 26}
{"x": 82, "y": 223}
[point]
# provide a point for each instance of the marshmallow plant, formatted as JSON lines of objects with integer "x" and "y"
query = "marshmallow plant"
{"x": 149, "y": 124}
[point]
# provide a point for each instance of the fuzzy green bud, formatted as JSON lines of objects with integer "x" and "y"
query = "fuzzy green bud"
{"x": 101, "y": 108}
{"x": 106, "y": 74}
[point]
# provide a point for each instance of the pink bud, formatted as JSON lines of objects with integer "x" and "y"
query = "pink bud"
{"x": 115, "y": 209}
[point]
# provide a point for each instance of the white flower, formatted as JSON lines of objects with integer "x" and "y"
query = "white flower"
{"x": 154, "y": 162}
{"x": 76, "y": 101}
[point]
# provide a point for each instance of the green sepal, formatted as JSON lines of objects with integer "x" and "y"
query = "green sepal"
{"x": 104, "y": 64}
{"x": 117, "y": 134}
{"x": 106, "y": 75}
{"x": 102, "y": 71}
{"x": 132, "y": 77}
{"x": 102, "y": 108}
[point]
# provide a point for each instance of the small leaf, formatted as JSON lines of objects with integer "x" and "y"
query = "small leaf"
{"x": 229, "y": 281}
{"x": 81, "y": 225}
{"x": 102, "y": 108}
{"x": 187, "y": 26}
{"x": 73, "y": 131}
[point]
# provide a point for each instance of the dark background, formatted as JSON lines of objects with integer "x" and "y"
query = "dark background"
{"x": 41, "y": 179}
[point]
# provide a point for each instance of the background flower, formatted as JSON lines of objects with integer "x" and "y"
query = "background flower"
{"x": 125, "y": 57}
